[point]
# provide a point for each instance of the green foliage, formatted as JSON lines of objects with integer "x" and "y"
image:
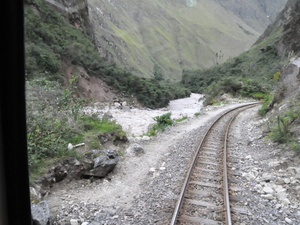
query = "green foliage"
{"x": 235, "y": 87}
{"x": 158, "y": 73}
{"x": 54, "y": 119}
{"x": 197, "y": 114}
{"x": 162, "y": 122}
{"x": 281, "y": 132}
{"x": 269, "y": 99}
{"x": 181, "y": 119}
{"x": 249, "y": 75}
{"x": 281, "y": 128}
{"x": 277, "y": 76}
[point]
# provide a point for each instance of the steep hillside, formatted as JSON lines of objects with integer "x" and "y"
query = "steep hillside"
{"x": 258, "y": 14}
{"x": 286, "y": 29}
{"x": 146, "y": 36}
{"x": 283, "y": 105}
{"x": 56, "y": 42}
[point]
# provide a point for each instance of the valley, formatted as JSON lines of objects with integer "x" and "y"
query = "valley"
{"x": 137, "y": 83}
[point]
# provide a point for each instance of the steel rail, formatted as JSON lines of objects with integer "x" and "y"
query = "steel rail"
{"x": 225, "y": 177}
{"x": 186, "y": 181}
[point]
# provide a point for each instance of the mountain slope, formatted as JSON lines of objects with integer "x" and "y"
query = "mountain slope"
{"x": 285, "y": 28}
{"x": 258, "y": 14}
{"x": 171, "y": 35}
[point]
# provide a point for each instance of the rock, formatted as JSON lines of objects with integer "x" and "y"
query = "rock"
{"x": 267, "y": 177}
{"x": 146, "y": 138}
{"x": 249, "y": 176}
{"x": 95, "y": 223}
{"x": 285, "y": 201}
{"x": 85, "y": 223}
{"x": 152, "y": 170}
{"x": 74, "y": 222}
{"x": 224, "y": 97}
{"x": 126, "y": 108}
{"x": 41, "y": 214}
{"x": 104, "y": 164}
{"x": 117, "y": 105}
{"x": 258, "y": 188}
{"x": 286, "y": 180}
{"x": 279, "y": 181}
{"x": 268, "y": 196}
{"x": 248, "y": 157}
{"x": 281, "y": 192}
{"x": 268, "y": 190}
{"x": 289, "y": 221}
{"x": 293, "y": 180}
{"x": 55, "y": 174}
{"x": 34, "y": 195}
{"x": 137, "y": 149}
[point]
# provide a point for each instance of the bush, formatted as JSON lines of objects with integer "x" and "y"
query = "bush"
{"x": 162, "y": 122}
{"x": 281, "y": 132}
{"x": 267, "y": 105}
{"x": 281, "y": 128}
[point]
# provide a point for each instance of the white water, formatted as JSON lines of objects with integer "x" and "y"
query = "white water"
{"x": 136, "y": 121}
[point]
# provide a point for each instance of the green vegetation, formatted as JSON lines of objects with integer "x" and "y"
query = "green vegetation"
{"x": 54, "y": 119}
{"x": 281, "y": 128}
{"x": 252, "y": 74}
{"x": 267, "y": 105}
{"x": 162, "y": 122}
{"x": 197, "y": 114}
{"x": 181, "y": 119}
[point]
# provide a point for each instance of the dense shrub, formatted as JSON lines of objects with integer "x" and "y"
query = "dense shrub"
{"x": 162, "y": 122}
{"x": 282, "y": 127}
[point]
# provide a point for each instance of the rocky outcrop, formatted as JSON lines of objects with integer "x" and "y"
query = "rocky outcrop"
{"x": 285, "y": 29}
{"x": 94, "y": 163}
{"x": 76, "y": 12}
{"x": 290, "y": 78}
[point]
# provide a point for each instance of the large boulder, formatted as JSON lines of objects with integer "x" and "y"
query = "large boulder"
{"x": 41, "y": 214}
{"x": 104, "y": 163}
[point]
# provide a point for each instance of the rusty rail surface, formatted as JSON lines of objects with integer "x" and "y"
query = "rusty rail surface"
{"x": 226, "y": 204}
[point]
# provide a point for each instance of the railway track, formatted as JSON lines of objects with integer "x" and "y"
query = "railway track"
{"x": 204, "y": 198}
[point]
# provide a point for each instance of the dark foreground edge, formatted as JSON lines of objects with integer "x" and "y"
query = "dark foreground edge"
{"x": 14, "y": 181}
